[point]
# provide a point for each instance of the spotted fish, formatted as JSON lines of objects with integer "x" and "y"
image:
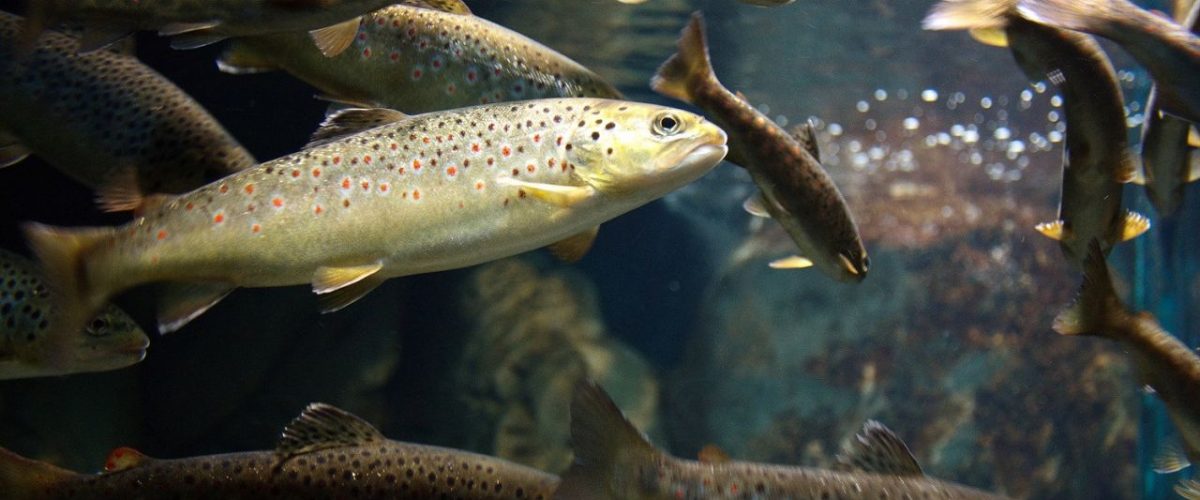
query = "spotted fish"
{"x": 420, "y": 60}
{"x": 794, "y": 188}
{"x": 331, "y": 24}
{"x": 1163, "y": 363}
{"x": 613, "y": 460}
{"x": 102, "y": 116}
{"x": 111, "y": 340}
{"x": 1167, "y": 50}
{"x": 324, "y": 453}
{"x": 1098, "y": 160}
{"x": 412, "y": 195}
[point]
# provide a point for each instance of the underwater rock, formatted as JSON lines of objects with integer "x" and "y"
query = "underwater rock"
{"x": 533, "y": 335}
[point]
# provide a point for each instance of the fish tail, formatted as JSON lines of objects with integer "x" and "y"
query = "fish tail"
{"x": 64, "y": 257}
{"x": 1090, "y": 16}
{"x": 605, "y": 445}
{"x": 690, "y": 68}
{"x": 968, "y": 14}
{"x": 22, "y": 478}
{"x": 1097, "y": 310}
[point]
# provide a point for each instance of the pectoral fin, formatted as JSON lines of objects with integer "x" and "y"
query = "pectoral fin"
{"x": 239, "y": 59}
{"x": 554, "y": 194}
{"x": 330, "y": 278}
{"x": 182, "y": 302}
{"x": 756, "y": 206}
{"x": 1193, "y": 169}
{"x": 196, "y": 39}
{"x": 1054, "y": 230}
{"x": 333, "y": 40}
{"x": 793, "y": 262}
{"x": 806, "y": 135}
{"x": 574, "y": 248}
{"x": 1193, "y": 137}
{"x": 996, "y": 37}
{"x": 1170, "y": 459}
{"x": 172, "y": 29}
{"x": 12, "y": 151}
{"x": 98, "y": 37}
{"x": 1135, "y": 225}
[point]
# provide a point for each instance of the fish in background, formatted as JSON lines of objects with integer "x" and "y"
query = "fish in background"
{"x": 324, "y": 453}
{"x": 1097, "y": 161}
{"x": 419, "y": 60}
{"x": 761, "y": 3}
{"x": 104, "y": 117}
{"x": 613, "y": 460}
{"x": 331, "y": 24}
{"x": 1163, "y": 363}
{"x": 794, "y": 189}
{"x": 1167, "y": 50}
{"x": 1167, "y": 166}
{"x": 408, "y": 195}
{"x": 111, "y": 340}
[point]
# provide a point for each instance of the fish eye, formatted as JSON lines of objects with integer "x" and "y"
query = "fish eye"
{"x": 667, "y": 124}
{"x": 98, "y": 327}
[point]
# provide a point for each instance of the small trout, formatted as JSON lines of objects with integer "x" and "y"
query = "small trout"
{"x": 420, "y": 60}
{"x": 1167, "y": 50}
{"x": 412, "y": 195}
{"x": 111, "y": 340}
{"x": 324, "y": 453}
{"x": 794, "y": 189}
{"x": 1098, "y": 160}
{"x": 613, "y": 460}
{"x": 331, "y": 24}
{"x": 1163, "y": 363}
{"x": 103, "y": 115}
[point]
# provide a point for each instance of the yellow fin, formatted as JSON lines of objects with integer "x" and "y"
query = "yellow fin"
{"x": 1193, "y": 168}
{"x": 689, "y": 68}
{"x": 1188, "y": 489}
{"x": 756, "y": 206}
{"x": 1139, "y": 176}
{"x": 1135, "y": 225}
{"x": 342, "y": 297}
{"x": 1193, "y": 137}
{"x": 330, "y": 278}
{"x": 333, "y": 40}
{"x": 182, "y": 302}
{"x": 574, "y": 248}
{"x": 793, "y": 262}
{"x": 1170, "y": 459}
{"x": 124, "y": 458}
{"x": 996, "y": 37}
{"x": 554, "y": 194}
{"x": 240, "y": 59}
{"x": 1054, "y": 230}
{"x": 712, "y": 454}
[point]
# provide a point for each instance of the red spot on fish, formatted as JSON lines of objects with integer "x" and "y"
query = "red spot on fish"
{"x": 366, "y": 185}
{"x": 551, "y": 162}
{"x": 471, "y": 76}
{"x": 425, "y": 140}
{"x": 451, "y": 88}
{"x": 363, "y": 36}
{"x": 451, "y": 171}
{"x": 416, "y": 74}
{"x": 295, "y": 173}
{"x": 394, "y": 56}
{"x": 249, "y": 188}
{"x": 278, "y": 202}
{"x": 162, "y": 235}
{"x": 475, "y": 148}
{"x": 516, "y": 172}
{"x": 496, "y": 70}
{"x": 537, "y": 137}
{"x": 479, "y": 185}
{"x": 733, "y": 489}
{"x": 224, "y": 188}
{"x": 416, "y": 164}
{"x": 437, "y": 63}
{"x": 530, "y": 168}
{"x": 337, "y": 160}
{"x": 346, "y": 183}
{"x": 367, "y": 52}
{"x": 255, "y": 228}
{"x": 383, "y": 188}
{"x": 316, "y": 172}
{"x": 460, "y": 204}
{"x": 394, "y": 146}
{"x": 189, "y": 206}
{"x": 416, "y": 194}
{"x": 505, "y": 151}
{"x": 219, "y": 218}
{"x": 318, "y": 209}
{"x": 367, "y": 159}
{"x": 346, "y": 203}
{"x": 491, "y": 161}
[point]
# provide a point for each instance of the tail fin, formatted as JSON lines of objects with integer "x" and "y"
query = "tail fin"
{"x": 63, "y": 254}
{"x": 689, "y": 67}
{"x": 1096, "y": 310}
{"x": 605, "y": 444}
{"x": 968, "y": 15}
{"x": 22, "y": 478}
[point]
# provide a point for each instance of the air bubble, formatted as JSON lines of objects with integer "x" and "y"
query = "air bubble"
{"x": 862, "y": 106}
{"x": 835, "y": 129}
{"x": 1056, "y": 101}
{"x": 1002, "y": 134}
{"x": 929, "y": 95}
{"x": 985, "y": 103}
{"x": 881, "y": 95}
{"x": 911, "y": 123}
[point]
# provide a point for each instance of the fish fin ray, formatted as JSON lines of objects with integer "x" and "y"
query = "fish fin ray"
{"x": 321, "y": 426}
{"x": 1055, "y": 230}
{"x": 330, "y": 278}
{"x": 604, "y": 441}
{"x": 1188, "y": 489}
{"x": 690, "y": 67}
{"x": 1076, "y": 15}
{"x": 239, "y": 59}
{"x": 793, "y": 262}
{"x": 1133, "y": 225}
{"x": 341, "y": 298}
{"x": 124, "y": 458}
{"x": 554, "y": 194}
{"x": 879, "y": 450}
{"x": 1170, "y": 459}
{"x": 451, "y": 6}
{"x": 12, "y": 151}
{"x": 182, "y": 302}
{"x": 966, "y": 15}
{"x": 350, "y": 121}
{"x": 995, "y": 37}
{"x": 335, "y": 39}
{"x": 756, "y": 205}
{"x": 806, "y": 135}
{"x": 1096, "y": 305}
{"x": 576, "y": 246}
{"x": 195, "y": 39}
{"x": 172, "y": 29}
{"x": 1193, "y": 169}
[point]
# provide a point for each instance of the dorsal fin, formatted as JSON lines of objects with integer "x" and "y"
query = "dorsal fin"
{"x": 806, "y": 135}
{"x": 351, "y": 121}
{"x": 712, "y": 454}
{"x": 878, "y": 450}
{"x": 452, "y": 6}
{"x": 124, "y": 458}
{"x": 321, "y": 426}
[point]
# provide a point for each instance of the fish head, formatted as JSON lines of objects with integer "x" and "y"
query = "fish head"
{"x": 624, "y": 148}
{"x": 853, "y": 264}
{"x": 111, "y": 340}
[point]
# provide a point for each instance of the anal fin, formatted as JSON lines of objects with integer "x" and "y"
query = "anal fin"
{"x": 996, "y": 37}
{"x": 575, "y": 247}
{"x": 341, "y": 298}
{"x": 182, "y": 302}
{"x": 756, "y": 206}
{"x": 239, "y": 59}
{"x": 1055, "y": 230}
{"x": 712, "y": 454}
{"x": 338, "y": 287}
{"x": 1134, "y": 224}
{"x": 1170, "y": 459}
{"x": 335, "y": 39}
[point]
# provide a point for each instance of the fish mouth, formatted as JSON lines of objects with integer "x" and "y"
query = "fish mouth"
{"x": 854, "y": 273}
{"x": 708, "y": 155}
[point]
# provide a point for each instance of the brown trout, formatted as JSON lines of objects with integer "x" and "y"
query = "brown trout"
{"x": 613, "y": 460}
{"x": 413, "y": 195}
{"x": 111, "y": 340}
{"x": 1097, "y": 160}
{"x": 1163, "y": 363}
{"x": 324, "y": 453}
{"x": 332, "y": 24}
{"x": 420, "y": 60}
{"x": 101, "y": 116}
{"x": 794, "y": 189}
{"x": 1166, "y": 155}
{"x": 1167, "y": 50}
